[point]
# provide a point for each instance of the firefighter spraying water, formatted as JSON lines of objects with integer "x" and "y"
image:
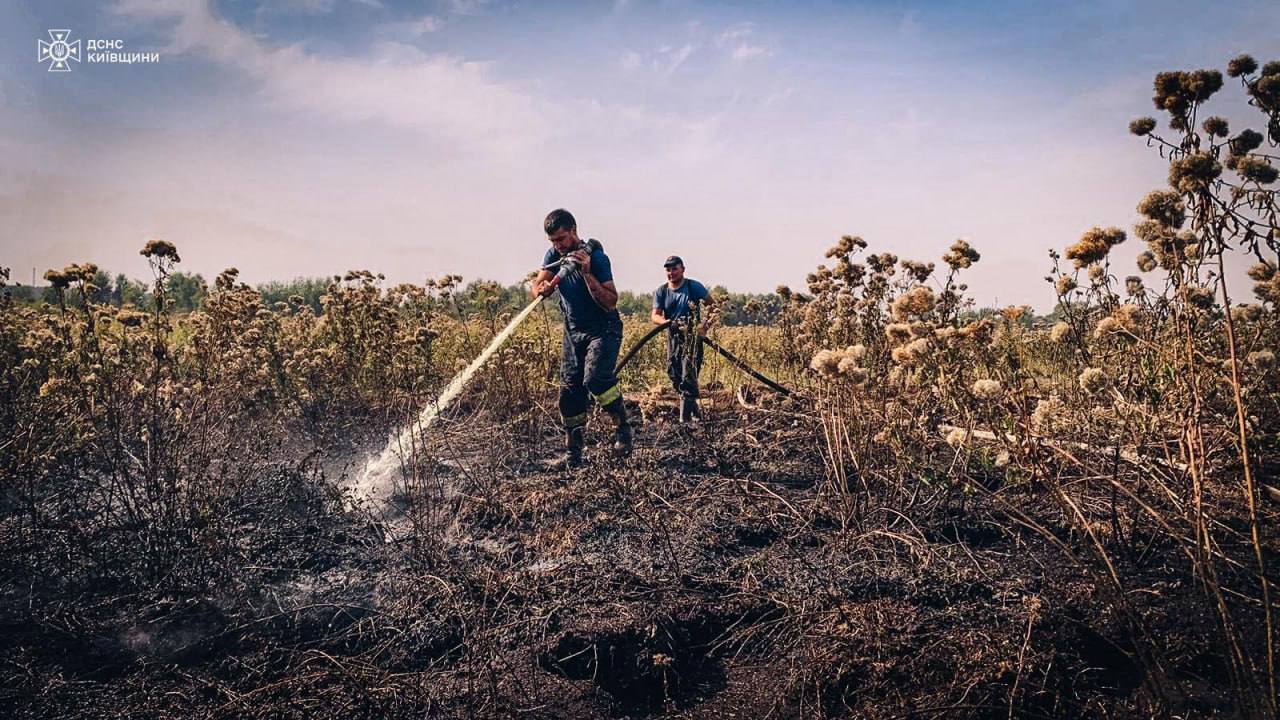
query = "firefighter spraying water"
{"x": 581, "y": 271}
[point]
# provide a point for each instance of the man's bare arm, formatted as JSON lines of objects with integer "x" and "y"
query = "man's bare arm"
{"x": 605, "y": 294}
{"x": 540, "y": 283}
{"x": 657, "y": 317}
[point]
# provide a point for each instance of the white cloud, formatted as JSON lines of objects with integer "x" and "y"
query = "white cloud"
{"x": 745, "y": 52}
{"x": 737, "y": 39}
{"x": 418, "y": 27}
{"x": 304, "y": 7}
{"x": 468, "y": 7}
{"x": 670, "y": 59}
{"x": 399, "y": 85}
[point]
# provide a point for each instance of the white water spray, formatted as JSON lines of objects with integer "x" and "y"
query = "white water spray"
{"x": 377, "y": 481}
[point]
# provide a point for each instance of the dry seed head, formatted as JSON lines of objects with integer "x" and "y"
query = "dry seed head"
{"x": 1064, "y": 285}
{"x": 1093, "y": 380}
{"x": 1194, "y": 172}
{"x": 1198, "y": 296}
{"x": 1048, "y": 415}
{"x": 1246, "y": 142}
{"x": 1165, "y": 207}
{"x": 1094, "y": 245}
{"x": 131, "y": 318}
{"x": 1262, "y": 271}
{"x": 162, "y": 249}
{"x": 1133, "y": 285}
{"x": 1262, "y": 359}
{"x": 1146, "y": 261}
{"x": 1246, "y": 313}
{"x": 1241, "y": 65}
{"x": 1097, "y": 272}
{"x": 849, "y": 369}
{"x": 917, "y": 301}
{"x": 1106, "y": 326}
{"x": 897, "y": 332}
{"x": 961, "y": 255}
{"x": 918, "y": 270}
{"x": 1061, "y": 331}
{"x": 958, "y": 437}
{"x": 857, "y": 352}
{"x": 57, "y": 279}
{"x": 825, "y": 362}
{"x": 1129, "y": 316}
{"x": 1257, "y": 169}
{"x": 987, "y": 389}
{"x": 1216, "y": 126}
{"x": 1142, "y": 126}
{"x": 978, "y": 330}
{"x": 921, "y": 329}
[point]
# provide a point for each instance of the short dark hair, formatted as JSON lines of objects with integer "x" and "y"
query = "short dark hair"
{"x": 559, "y": 219}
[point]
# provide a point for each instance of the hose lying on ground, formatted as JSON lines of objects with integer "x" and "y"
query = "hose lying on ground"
{"x": 707, "y": 341}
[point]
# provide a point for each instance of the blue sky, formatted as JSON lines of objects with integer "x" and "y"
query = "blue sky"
{"x": 308, "y": 137}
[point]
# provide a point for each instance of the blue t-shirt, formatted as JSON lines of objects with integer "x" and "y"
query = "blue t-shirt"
{"x": 581, "y": 311}
{"x": 675, "y": 303}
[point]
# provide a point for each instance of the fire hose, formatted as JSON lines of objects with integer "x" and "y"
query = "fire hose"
{"x": 733, "y": 360}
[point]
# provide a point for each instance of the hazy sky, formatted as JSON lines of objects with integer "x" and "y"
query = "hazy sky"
{"x": 415, "y": 138}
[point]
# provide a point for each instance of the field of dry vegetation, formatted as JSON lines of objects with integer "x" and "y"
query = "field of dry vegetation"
{"x": 954, "y": 516}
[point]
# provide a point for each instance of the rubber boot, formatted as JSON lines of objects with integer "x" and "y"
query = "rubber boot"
{"x": 689, "y": 411}
{"x": 575, "y": 440}
{"x": 625, "y": 442}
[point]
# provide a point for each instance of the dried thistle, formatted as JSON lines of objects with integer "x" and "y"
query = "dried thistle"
{"x": 1165, "y": 207}
{"x": 1146, "y": 261}
{"x": 961, "y": 255}
{"x": 1241, "y": 65}
{"x": 162, "y": 249}
{"x": 1194, "y": 172}
{"x": 1257, "y": 169}
{"x": 987, "y": 389}
{"x": 1198, "y": 296}
{"x": 1216, "y": 126}
{"x": 1142, "y": 126}
{"x": 958, "y": 437}
{"x": 1262, "y": 359}
{"x": 825, "y": 363}
{"x": 897, "y": 332}
{"x": 1093, "y": 381}
{"x": 1094, "y": 245}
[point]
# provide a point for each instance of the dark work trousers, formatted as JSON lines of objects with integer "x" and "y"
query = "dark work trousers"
{"x": 682, "y": 365}
{"x": 587, "y": 366}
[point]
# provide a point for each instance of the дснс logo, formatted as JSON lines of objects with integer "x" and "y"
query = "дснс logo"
{"x": 59, "y": 51}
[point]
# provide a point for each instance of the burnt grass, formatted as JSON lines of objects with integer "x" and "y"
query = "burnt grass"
{"x": 713, "y": 574}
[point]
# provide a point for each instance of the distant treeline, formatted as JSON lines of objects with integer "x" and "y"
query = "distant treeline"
{"x": 187, "y": 292}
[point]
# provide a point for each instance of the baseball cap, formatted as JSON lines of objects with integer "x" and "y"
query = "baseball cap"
{"x": 672, "y": 260}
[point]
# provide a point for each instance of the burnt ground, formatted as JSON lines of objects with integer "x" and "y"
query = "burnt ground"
{"x": 711, "y": 575}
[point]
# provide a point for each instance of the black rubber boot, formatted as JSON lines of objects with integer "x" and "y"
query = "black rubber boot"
{"x": 625, "y": 442}
{"x": 689, "y": 411}
{"x": 575, "y": 440}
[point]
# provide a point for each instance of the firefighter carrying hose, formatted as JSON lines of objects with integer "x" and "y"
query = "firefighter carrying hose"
{"x": 592, "y": 331}
{"x": 680, "y": 300}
